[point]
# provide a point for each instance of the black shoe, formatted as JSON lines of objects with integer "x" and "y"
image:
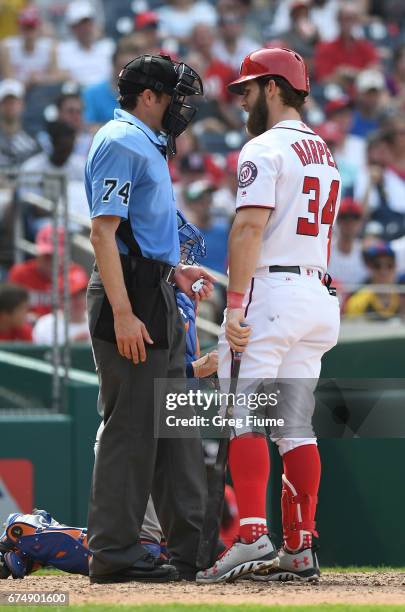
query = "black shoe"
{"x": 146, "y": 569}
{"x": 186, "y": 572}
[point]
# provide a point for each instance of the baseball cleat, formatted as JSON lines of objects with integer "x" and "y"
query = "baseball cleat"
{"x": 301, "y": 565}
{"x": 240, "y": 559}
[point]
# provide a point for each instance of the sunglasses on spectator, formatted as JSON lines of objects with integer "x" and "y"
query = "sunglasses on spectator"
{"x": 383, "y": 265}
{"x": 349, "y": 217}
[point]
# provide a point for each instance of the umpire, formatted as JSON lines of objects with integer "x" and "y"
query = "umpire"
{"x": 136, "y": 330}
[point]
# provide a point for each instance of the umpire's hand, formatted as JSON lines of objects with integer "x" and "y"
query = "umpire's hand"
{"x": 131, "y": 335}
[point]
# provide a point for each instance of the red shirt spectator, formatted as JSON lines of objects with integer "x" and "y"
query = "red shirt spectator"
{"x": 347, "y": 54}
{"x": 216, "y": 77}
{"x": 19, "y": 334}
{"x": 36, "y": 274}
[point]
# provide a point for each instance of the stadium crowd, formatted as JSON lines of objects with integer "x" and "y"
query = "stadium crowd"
{"x": 58, "y": 67}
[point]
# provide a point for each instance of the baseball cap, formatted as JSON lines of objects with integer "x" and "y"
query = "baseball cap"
{"x": 330, "y": 132}
{"x": 338, "y": 104}
{"x": 350, "y": 207}
{"x": 11, "y": 87}
{"x": 299, "y": 4}
{"x": 377, "y": 250}
{"x": 79, "y": 10}
{"x": 197, "y": 189}
{"x": 148, "y": 71}
{"x": 78, "y": 280}
{"x": 369, "y": 79}
{"x": 146, "y": 19}
{"x": 193, "y": 162}
{"x": 29, "y": 17}
{"x": 44, "y": 240}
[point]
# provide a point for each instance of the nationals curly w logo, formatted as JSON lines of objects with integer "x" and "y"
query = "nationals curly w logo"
{"x": 247, "y": 174}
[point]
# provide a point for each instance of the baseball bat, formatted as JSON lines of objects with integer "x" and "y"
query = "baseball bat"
{"x": 207, "y": 550}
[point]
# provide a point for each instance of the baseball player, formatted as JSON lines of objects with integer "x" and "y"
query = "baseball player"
{"x": 287, "y": 200}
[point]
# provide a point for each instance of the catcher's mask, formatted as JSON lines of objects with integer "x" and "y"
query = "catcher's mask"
{"x": 192, "y": 243}
{"x": 161, "y": 74}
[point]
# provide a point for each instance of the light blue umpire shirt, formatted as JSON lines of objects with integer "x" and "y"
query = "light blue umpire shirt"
{"x": 127, "y": 176}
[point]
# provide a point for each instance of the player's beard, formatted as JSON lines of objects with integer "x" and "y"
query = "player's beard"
{"x": 258, "y": 116}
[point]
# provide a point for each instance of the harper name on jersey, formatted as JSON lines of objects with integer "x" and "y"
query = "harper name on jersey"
{"x": 313, "y": 152}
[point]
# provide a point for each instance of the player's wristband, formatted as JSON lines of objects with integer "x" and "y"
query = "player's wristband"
{"x": 234, "y": 299}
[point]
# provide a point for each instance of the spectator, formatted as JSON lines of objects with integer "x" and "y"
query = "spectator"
{"x": 30, "y": 57}
{"x": 198, "y": 197}
{"x": 323, "y": 15}
{"x": 178, "y": 17}
{"x": 216, "y": 75}
{"x": 351, "y": 147}
{"x": 60, "y": 159}
{"x": 371, "y": 97}
{"x": 78, "y": 327}
{"x": 383, "y": 187}
{"x": 100, "y": 99}
{"x": 376, "y": 305}
{"x": 346, "y": 264}
{"x": 191, "y": 168}
{"x": 70, "y": 111}
{"x": 341, "y": 59}
{"x": 147, "y": 24}
{"x": 35, "y": 274}
{"x": 231, "y": 45}
{"x": 302, "y": 34}
{"x": 13, "y": 314}
{"x": 15, "y": 144}
{"x": 86, "y": 59}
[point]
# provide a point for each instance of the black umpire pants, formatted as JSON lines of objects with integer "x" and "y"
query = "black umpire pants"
{"x": 131, "y": 463}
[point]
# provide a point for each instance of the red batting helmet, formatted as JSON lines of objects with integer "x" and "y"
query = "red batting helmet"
{"x": 275, "y": 62}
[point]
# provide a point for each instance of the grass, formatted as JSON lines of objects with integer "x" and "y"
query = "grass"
{"x": 210, "y": 608}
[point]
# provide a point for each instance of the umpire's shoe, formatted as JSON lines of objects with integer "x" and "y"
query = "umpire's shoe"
{"x": 301, "y": 565}
{"x": 240, "y": 559}
{"x": 146, "y": 569}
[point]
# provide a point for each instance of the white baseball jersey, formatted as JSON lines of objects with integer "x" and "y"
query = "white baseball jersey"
{"x": 290, "y": 169}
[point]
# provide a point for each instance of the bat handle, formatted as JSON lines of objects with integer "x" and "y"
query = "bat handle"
{"x": 238, "y": 354}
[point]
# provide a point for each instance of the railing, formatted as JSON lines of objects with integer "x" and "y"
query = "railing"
{"x": 21, "y": 183}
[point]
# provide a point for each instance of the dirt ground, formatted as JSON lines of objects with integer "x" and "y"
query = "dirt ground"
{"x": 379, "y": 587}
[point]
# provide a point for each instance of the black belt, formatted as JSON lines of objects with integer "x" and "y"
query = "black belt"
{"x": 290, "y": 270}
{"x": 167, "y": 271}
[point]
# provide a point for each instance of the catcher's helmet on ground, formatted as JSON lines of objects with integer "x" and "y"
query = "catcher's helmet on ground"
{"x": 272, "y": 62}
{"x": 192, "y": 243}
{"x": 161, "y": 74}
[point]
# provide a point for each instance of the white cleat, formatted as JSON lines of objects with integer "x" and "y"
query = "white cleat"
{"x": 240, "y": 559}
{"x": 302, "y": 565}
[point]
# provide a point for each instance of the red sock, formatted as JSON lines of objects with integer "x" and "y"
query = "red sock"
{"x": 249, "y": 463}
{"x": 302, "y": 468}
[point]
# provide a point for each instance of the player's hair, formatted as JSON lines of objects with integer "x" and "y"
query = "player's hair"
{"x": 129, "y": 101}
{"x": 289, "y": 96}
{"x": 12, "y": 296}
